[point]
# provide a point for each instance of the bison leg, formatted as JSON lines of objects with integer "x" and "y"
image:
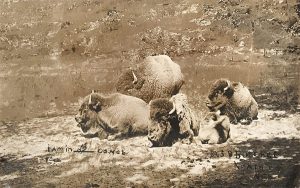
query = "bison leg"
{"x": 187, "y": 137}
{"x": 186, "y": 134}
{"x": 117, "y": 136}
{"x": 246, "y": 121}
{"x": 90, "y": 135}
{"x": 254, "y": 111}
{"x": 231, "y": 116}
{"x": 195, "y": 130}
{"x": 102, "y": 134}
{"x": 209, "y": 137}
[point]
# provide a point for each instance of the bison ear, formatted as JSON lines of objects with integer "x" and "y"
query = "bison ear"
{"x": 90, "y": 98}
{"x": 94, "y": 103}
{"x": 97, "y": 107}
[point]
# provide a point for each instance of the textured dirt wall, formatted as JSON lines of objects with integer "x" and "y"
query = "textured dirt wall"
{"x": 52, "y": 53}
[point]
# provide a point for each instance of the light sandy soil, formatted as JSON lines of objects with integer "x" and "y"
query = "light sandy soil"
{"x": 31, "y": 157}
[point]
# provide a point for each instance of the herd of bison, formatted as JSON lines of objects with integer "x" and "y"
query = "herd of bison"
{"x": 149, "y": 102}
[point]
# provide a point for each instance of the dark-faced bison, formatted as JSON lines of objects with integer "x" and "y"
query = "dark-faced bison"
{"x": 171, "y": 120}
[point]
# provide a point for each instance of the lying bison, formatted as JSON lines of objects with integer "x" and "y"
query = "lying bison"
{"x": 156, "y": 77}
{"x": 113, "y": 116}
{"x": 171, "y": 120}
{"x": 215, "y": 129}
{"x": 234, "y": 100}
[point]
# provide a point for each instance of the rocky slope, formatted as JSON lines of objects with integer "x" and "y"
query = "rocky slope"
{"x": 54, "y": 52}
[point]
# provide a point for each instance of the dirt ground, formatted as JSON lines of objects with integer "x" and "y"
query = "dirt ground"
{"x": 45, "y": 152}
{"x": 54, "y": 52}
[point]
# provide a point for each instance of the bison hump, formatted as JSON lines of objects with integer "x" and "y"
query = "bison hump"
{"x": 162, "y": 68}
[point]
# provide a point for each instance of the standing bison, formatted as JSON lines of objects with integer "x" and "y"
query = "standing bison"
{"x": 234, "y": 100}
{"x": 156, "y": 77}
{"x": 171, "y": 120}
{"x": 113, "y": 116}
{"x": 215, "y": 129}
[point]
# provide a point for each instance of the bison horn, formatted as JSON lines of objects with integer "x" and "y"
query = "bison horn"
{"x": 90, "y": 99}
{"x": 134, "y": 77}
{"x": 228, "y": 85}
{"x": 173, "y": 109}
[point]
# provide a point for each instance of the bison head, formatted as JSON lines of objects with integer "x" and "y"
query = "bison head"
{"x": 130, "y": 82}
{"x": 219, "y": 94}
{"x": 164, "y": 127}
{"x": 215, "y": 129}
{"x": 87, "y": 117}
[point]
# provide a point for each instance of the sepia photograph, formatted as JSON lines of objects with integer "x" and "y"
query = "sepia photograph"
{"x": 149, "y": 93}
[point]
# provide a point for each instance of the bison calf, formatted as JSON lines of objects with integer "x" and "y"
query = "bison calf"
{"x": 215, "y": 129}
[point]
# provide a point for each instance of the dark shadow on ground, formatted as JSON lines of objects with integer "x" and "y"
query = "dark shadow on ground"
{"x": 275, "y": 164}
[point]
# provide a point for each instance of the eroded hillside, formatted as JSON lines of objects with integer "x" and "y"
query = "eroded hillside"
{"x": 54, "y": 52}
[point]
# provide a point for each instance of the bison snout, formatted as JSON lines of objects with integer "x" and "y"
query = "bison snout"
{"x": 151, "y": 138}
{"x": 208, "y": 103}
{"x": 153, "y": 143}
{"x": 78, "y": 119}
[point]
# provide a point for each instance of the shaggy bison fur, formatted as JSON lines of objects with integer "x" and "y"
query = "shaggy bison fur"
{"x": 171, "y": 120}
{"x": 156, "y": 77}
